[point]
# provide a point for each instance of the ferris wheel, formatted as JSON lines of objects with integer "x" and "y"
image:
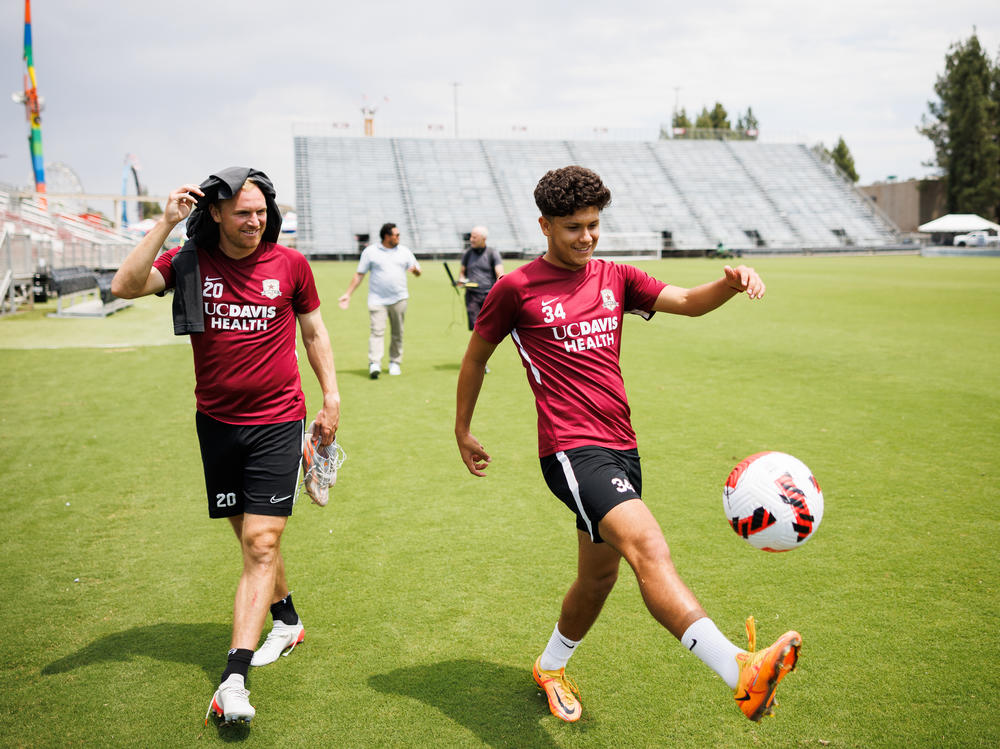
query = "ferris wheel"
{"x": 61, "y": 179}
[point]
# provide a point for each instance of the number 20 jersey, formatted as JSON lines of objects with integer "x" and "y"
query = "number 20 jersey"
{"x": 245, "y": 363}
{"x": 567, "y": 328}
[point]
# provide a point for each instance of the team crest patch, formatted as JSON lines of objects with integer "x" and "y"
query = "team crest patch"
{"x": 609, "y": 298}
{"x": 271, "y": 288}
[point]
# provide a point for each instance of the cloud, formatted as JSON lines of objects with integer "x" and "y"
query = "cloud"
{"x": 195, "y": 85}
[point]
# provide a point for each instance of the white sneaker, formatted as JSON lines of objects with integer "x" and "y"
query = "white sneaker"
{"x": 231, "y": 702}
{"x": 319, "y": 466}
{"x": 394, "y": 369}
{"x": 373, "y": 370}
{"x": 281, "y": 637}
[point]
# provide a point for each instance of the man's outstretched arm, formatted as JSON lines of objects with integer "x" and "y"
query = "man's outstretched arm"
{"x": 709, "y": 296}
{"x": 345, "y": 298}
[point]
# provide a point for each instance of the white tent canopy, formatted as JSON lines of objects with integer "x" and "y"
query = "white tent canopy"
{"x": 958, "y": 223}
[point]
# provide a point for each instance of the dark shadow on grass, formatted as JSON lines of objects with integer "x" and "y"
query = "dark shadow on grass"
{"x": 231, "y": 733}
{"x": 450, "y": 366}
{"x": 499, "y": 704}
{"x": 202, "y": 645}
{"x": 363, "y": 373}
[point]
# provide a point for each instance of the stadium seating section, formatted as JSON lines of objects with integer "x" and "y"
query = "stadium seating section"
{"x": 688, "y": 195}
{"x": 47, "y": 250}
{"x": 73, "y": 280}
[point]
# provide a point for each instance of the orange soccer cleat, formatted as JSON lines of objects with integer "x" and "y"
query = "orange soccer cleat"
{"x": 761, "y": 671}
{"x": 560, "y": 691}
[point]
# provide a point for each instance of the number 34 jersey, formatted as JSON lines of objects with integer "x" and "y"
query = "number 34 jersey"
{"x": 567, "y": 328}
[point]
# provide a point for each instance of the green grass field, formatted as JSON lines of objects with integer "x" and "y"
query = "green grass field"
{"x": 427, "y": 593}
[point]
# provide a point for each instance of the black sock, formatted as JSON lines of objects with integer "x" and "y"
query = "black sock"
{"x": 284, "y": 611}
{"x": 238, "y": 663}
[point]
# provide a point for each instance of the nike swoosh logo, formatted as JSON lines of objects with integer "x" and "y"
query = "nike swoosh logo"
{"x": 693, "y": 643}
{"x": 213, "y": 278}
{"x": 566, "y": 708}
{"x": 275, "y": 500}
{"x": 744, "y": 698}
{"x": 546, "y": 304}
{"x": 566, "y": 644}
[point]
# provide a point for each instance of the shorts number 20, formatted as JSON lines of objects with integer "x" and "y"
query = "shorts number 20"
{"x": 225, "y": 500}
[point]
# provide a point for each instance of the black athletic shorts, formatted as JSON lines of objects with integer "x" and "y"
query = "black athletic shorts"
{"x": 592, "y": 480}
{"x": 250, "y": 468}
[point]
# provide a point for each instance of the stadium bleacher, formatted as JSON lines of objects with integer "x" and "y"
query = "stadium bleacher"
{"x": 668, "y": 196}
{"x": 691, "y": 194}
{"x": 72, "y": 255}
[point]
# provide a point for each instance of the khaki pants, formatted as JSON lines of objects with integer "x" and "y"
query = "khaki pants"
{"x": 377, "y": 316}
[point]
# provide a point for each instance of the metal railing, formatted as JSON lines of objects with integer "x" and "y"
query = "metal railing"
{"x": 36, "y": 241}
{"x": 824, "y": 156}
{"x": 38, "y": 238}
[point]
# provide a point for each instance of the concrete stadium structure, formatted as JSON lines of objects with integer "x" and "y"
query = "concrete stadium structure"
{"x": 667, "y": 195}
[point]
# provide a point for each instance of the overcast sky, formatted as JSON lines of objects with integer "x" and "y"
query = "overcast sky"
{"x": 189, "y": 87}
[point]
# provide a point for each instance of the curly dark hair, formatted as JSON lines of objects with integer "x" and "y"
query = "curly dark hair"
{"x": 562, "y": 192}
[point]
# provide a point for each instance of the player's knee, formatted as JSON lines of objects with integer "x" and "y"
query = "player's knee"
{"x": 599, "y": 587}
{"x": 650, "y": 549}
{"x": 604, "y": 584}
{"x": 260, "y": 548}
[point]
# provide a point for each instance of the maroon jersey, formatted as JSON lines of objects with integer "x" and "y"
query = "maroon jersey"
{"x": 245, "y": 363}
{"x": 567, "y": 328}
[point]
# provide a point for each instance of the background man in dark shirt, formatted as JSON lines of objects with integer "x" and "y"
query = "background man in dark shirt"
{"x": 481, "y": 265}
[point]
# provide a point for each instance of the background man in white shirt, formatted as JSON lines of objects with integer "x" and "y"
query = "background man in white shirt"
{"x": 387, "y": 295}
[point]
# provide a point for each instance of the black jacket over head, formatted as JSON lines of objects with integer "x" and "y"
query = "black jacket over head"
{"x": 203, "y": 231}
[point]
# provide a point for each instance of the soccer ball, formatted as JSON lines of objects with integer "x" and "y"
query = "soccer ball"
{"x": 773, "y": 501}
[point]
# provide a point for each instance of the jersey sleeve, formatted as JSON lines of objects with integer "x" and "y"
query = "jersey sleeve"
{"x": 641, "y": 291}
{"x": 165, "y": 265}
{"x": 499, "y": 313}
{"x": 306, "y": 297}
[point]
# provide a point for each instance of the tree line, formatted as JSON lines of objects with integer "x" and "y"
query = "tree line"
{"x": 714, "y": 124}
{"x": 964, "y": 126}
{"x": 717, "y": 119}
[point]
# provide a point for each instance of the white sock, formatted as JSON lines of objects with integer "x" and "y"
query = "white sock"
{"x": 705, "y": 640}
{"x": 558, "y": 651}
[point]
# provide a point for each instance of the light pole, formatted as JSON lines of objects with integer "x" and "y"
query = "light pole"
{"x": 455, "y": 85}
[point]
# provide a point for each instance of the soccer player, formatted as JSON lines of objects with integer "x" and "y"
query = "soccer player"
{"x": 563, "y": 312}
{"x": 239, "y": 294}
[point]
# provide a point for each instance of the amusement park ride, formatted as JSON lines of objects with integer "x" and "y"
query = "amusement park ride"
{"x": 69, "y": 195}
{"x": 33, "y": 104}
{"x": 68, "y": 250}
